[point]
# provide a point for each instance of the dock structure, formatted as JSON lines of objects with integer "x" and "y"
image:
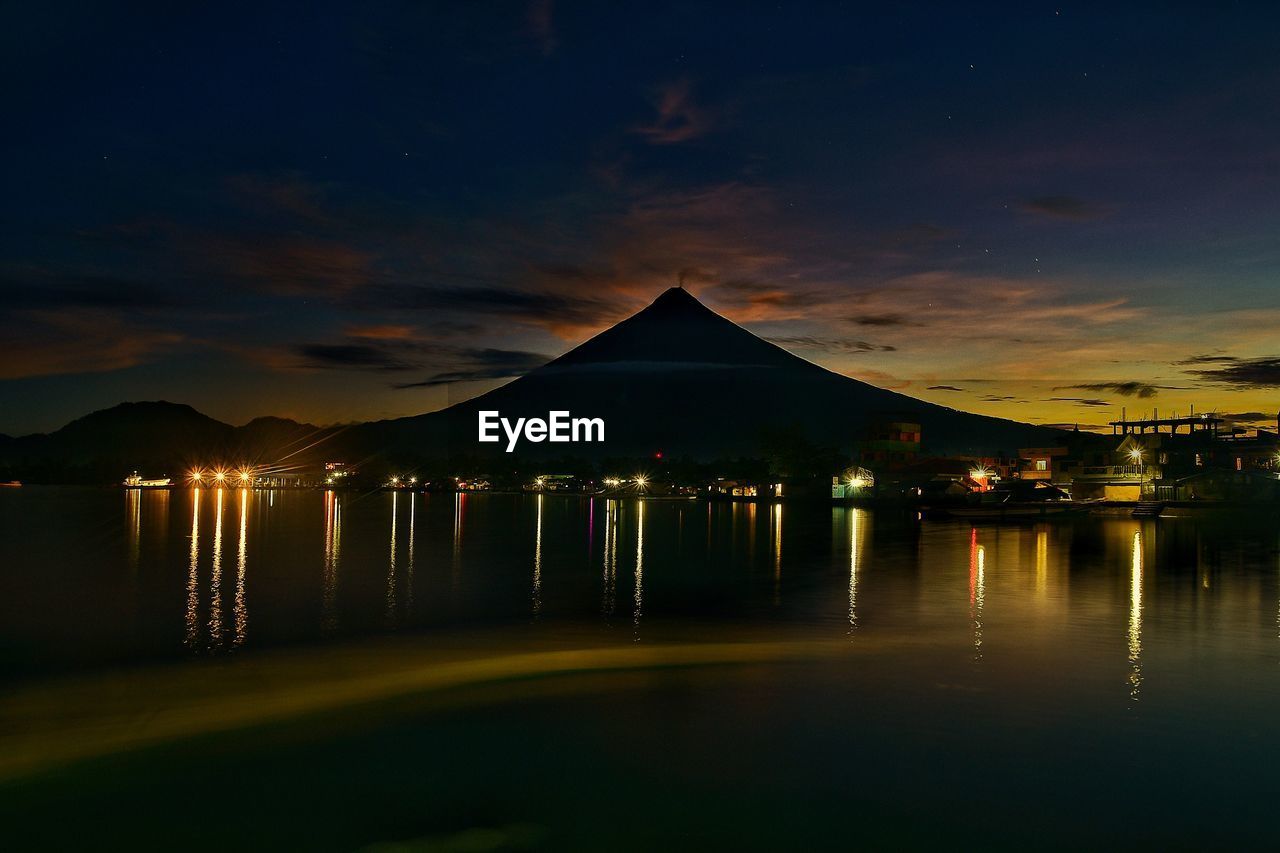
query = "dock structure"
{"x": 1207, "y": 425}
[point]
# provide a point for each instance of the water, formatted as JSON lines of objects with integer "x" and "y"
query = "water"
{"x": 339, "y": 670}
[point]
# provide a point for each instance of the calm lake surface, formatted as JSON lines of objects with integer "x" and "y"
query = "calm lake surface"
{"x": 629, "y": 674}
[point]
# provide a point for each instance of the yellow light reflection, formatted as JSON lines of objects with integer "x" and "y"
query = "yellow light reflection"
{"x": 776, "y": 511}
{"x": 609, "y": 597}
{"x": 977, "y": 590}
{"x": 459, "y": 512}
{"x": 537, "y": 561}
{"x": 857, "y": 526}
{"x": 408, "y": 575}
{"x": 332, "y": 550}
{"x": 193, "y": 578}
{"x": 133, "y": 499}
{"x": 1135, "y": 617}
{"x": 391, "y": 564}
{"x": 241, "y": 609}
{"x": 215, "y": 576}
{"x": 639, "y": 566}
{"x": 1042, "y": 562}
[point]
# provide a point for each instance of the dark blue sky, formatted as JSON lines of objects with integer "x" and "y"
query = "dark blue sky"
{"x": 1044, "y": 212}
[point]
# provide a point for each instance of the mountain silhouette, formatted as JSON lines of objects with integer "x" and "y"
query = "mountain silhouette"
{"x": 678, "y": 378}
{"x": 158, "y": 438}
{"x": 675, "y": 378}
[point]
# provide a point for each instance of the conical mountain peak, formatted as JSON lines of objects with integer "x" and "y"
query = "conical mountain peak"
{"x": 676, "y": 299}
{"x": 676, "y": 327}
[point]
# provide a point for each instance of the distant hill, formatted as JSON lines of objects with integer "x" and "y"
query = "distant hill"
{"x": 158, "y": 438}
{"x": 675, "y": 378}
{"x": 678, "y": 378}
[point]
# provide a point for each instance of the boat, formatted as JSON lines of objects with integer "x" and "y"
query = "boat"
{"x": 12, "y": 484}
{"x": 135, "y": 481}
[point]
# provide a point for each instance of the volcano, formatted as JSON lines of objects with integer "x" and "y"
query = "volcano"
{"x": 679, "y": 379}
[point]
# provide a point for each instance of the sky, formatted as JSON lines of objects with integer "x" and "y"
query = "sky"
{"x": 1047, "y": 212}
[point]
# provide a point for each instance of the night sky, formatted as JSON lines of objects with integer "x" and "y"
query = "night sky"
{"x": 372, "y": 210}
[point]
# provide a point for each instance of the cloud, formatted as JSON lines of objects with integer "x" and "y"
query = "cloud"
{"x": 943, "y": 388}
{"x": 1268, "y": 418}
{"x": 840, "y": 345}
{"x": 1130, "y": 388}
{"x": 47, "y": 343}
{"x": 381, "y": 332}
{"x": 401, "y": 354}
{"x": 352, "y": 356}
{"x": 547, "y": 308}
{"x": 1079, "y": 401}
{"x": 880, "y": 320}
{"x": 1208, "y": 359}
{"x": 679, "y": 119}
{"x": 753, "y": 295}
{"x": 1063, "y": 207}
{"x": 486, "y": 364}
{"x": 1239, "y": 372}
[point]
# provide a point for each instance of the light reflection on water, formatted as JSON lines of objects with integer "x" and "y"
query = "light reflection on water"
{"x": 332, "y": 558}
{"x": 391, "y": 563}
{"x": 537, "y": 560}
{"x": 1135, "y": 617}
{"x": 215, "y": 575}
{"x": 1110, "y": 655}
{"x": 610, "y": 595}
{"x": 309, "y": 564}
{"x": 193, "y": 573}
{"x": 241, "y": 605}
{"x": 639, "y": 581}
{"x": 857, "y": 527}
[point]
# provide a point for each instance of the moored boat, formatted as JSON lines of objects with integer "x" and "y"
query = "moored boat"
{"x": 135, "y": 481}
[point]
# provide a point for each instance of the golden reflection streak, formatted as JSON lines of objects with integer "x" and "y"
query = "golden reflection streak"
{"x": 855, "y": 555}
{"x": 408, "y": 575}
{"x": 776, "y": 511}
{"x": 1135, "y": 617}
{"x": 94, "y": 717}
{"x": 977, "y": 589}
{"x": 537, "y": 561}
{"x": 332, "y": 550}
{"x": 241, "y": 608}
{"x": 391, "y": 564}
{"x": 459, "y": 510}
{"x": 193, "y": 578}
{"x": 215, "y": 576}
{"x": 133, "y": 499}
{"x": 639, "y": 566}
{"x": 609, "y": 598}
{"x": 1042, "y": 562}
